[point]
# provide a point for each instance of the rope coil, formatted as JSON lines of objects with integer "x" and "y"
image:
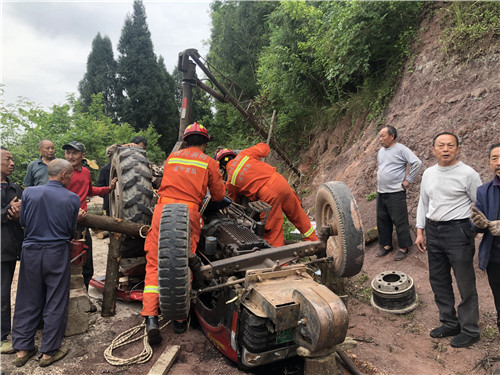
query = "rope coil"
{"x": 123, "y": 339}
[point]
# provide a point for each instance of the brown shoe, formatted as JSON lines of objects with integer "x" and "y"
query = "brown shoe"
{"x": 21, "y": 361}
{"x": 383, "y": 251}
{"x": 61, "y": 353}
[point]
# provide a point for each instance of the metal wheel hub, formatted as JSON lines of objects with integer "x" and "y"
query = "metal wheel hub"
{"x": 394, "y": 292}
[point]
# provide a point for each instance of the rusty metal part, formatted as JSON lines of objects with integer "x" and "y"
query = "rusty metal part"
{"x": 265, "y": 258}
{"x": 324, "y": 318}
{"x": 394, "y": 292}
{"x": 290, "y": 298}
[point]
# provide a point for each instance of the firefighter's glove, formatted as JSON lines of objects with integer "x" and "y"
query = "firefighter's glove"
{"x": 478, "y": 219}
{"x": 494, "y": 227}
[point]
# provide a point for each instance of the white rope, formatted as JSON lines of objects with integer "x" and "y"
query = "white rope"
{"x": 123, "y": 339}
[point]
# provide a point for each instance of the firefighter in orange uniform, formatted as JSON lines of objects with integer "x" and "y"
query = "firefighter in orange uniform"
{"x": 186, "y": 176}
{"x": 249, "y": 176}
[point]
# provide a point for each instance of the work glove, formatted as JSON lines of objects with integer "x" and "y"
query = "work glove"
{"x": 494, "y": 227}
{"x": 478, "y": 219}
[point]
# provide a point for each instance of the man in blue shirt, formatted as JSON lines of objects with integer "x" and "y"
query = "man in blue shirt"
{"x": 49, "y": 214}
{"x": 36, "y": 174}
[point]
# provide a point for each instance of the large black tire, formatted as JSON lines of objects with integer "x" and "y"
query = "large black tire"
{"x": 174, "y": 275}
{"x": 132, "y": 198}
{"x": 336, "y": 206}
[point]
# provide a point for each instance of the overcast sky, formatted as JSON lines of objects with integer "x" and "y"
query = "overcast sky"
{"x": 45, "y": 44}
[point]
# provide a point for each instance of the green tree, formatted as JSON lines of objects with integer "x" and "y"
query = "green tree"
{"x": 239, "y": 33}
{"x": 147, "y": 94}
{"x": 100, "y": 76}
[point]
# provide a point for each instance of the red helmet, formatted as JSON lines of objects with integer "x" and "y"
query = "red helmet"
{"x": 224, "y": 154}
{"x": 196, "y": 129}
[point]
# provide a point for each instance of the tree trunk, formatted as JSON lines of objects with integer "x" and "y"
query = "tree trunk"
{"x": 112, "y": 270}
{"x": 115, "y": 225}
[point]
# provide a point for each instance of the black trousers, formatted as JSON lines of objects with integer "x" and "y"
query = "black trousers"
{"x": 493, "y": 271}
{"x": 7, "y": 274}
{"x": 392, "y": 211}
{"x": 88, "y": 267}
{"x": 42, "y": 291}
{"x": 451, "y": 247}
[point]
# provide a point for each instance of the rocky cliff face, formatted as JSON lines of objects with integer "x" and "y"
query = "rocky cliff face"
{"x": 436, "y": 94}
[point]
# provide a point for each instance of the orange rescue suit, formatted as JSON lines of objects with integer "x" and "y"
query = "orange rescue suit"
{"x": 257, "y": 180}
{"x": 187, "y": 175}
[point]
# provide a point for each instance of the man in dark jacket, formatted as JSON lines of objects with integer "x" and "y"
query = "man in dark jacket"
{"x": 49, "y": 214}
{"x": 12, "y": 238}
{"x": 486, "y": 219}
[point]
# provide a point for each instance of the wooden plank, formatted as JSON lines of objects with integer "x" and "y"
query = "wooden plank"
{"x": 165, "y": 361}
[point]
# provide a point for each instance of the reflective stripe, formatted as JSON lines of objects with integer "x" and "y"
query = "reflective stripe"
{"x": 150, "y": 289}
{"x": 309, "y": 232}
{"x": 188, "y": 162}
{"x": 238, "y": 168}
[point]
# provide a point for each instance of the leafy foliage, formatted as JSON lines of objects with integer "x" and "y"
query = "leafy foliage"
{"x": 471, "y": 25}
{"x": 24, "y": 125}
{"x": 313, "y": 55}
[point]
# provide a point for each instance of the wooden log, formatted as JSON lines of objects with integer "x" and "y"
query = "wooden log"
{"x": 115, "y": 225}
{"x": 102, "y": 235}
{"x": 112, "y": 272}
{"x": 371, "y": 235}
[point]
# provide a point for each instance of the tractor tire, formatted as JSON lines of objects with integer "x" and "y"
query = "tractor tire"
{"x": 335, "y": 206}
{"x": 132, "y": 197}
{"x": 174, "y": 274}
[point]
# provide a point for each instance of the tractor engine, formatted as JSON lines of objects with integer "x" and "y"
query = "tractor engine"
{"x": 224, "y": 238}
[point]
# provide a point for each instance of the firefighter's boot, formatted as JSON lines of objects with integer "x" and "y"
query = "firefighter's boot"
{"x": 153, "y": 330}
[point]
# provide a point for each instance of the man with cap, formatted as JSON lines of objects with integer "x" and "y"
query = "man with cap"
{"x": 189, "y": 173}
{"x": 249, "y": 176}
{"x": 36, "y": 174}
{"x": 81, "y": 185}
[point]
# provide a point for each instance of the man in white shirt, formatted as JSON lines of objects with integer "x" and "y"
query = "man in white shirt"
{"x": 447, "y": 192}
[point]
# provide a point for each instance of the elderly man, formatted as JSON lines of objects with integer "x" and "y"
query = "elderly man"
{"x": 81, "y": 184}
{"x": 447, "y": 192}
{"x": 486, "y": 219}
{"x": 36, "y": 174}
{"x": 49, "y": 213}
{"x": 392, "y": 183}
{"x": 11, "y": 242}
